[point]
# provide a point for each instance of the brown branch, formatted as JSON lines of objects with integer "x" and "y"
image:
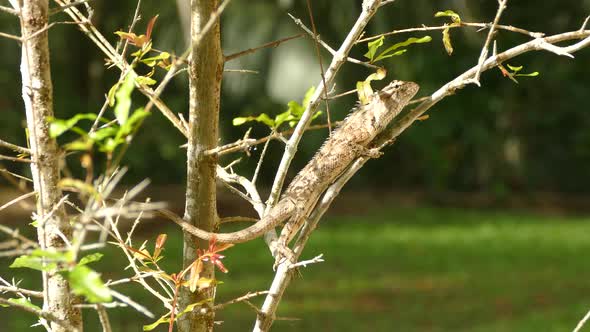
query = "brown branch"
{"x": 9, "y": 10}
{"x": 275, "y": 43}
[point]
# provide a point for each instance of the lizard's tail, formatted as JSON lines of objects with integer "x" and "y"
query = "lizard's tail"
{"x": 279, "y": 213}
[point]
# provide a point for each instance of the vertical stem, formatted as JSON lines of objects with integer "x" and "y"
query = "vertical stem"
{"x": 37, "y": 92}
{"x": 205, "y": 73}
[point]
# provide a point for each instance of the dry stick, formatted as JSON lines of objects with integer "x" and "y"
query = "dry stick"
{"x": 462, "y": 24}
{"x": 275, "y": 43}
{"x": 486, "y": 45}
{"x": 15, "y": 147}
{"x": 284, "y": 273}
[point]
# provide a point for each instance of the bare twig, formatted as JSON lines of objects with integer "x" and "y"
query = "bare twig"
{"x": 41, "y": 313}
{"x": 239, "y": 299}
{"x": 486, "y": 45}
{"x": 275, "y": 43}
{"x": 103, "y": 316}
{"x": 18, "y": 199}
{"x": 18, "y": 160}
{"x": 8, "y": 10}
{"x": 15, "y": 147}
{"x": 326, "y": 46}
{"x": 60, "y": 9}
{"x": 582, "y": 322}
{"x": 454, "y": 26}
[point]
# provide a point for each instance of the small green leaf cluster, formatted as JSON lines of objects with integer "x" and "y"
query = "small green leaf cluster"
{"x": 291, "y": 116}
{"x": 392, "y": 50}
{"x": 83, "y": 280}
{"x": 112, "y": 134}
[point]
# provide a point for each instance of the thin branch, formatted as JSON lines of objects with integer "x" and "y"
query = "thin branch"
{"x": 41, "y": 313}
{"x": 18, "y": 176}
{"x": 316, "y": 36}
{"x": 275, "y": 43}
{"x": 486, "y": 45}
{"x": 9, "y": 10}
{"x": 18, "y": 290}
{"x": 60, "y": 9}
{"x": 462, "y": 24}
{"x": 582, "y": 322}
{"x": 15, "y": 147}
{"x": 18, "y": 199}
{"x": 103, "y": 317}
{"x": 9, "y": 36}
{"x": 239, "y": 299}
{"x": 299, "y": 23}
{"x": 18, "y": 160}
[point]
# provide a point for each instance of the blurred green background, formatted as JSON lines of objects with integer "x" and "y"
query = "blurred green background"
{"x": 504, "y": 147}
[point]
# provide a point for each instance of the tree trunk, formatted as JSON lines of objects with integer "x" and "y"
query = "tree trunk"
{"x": 37, "y": 94}
{"x": 205, "y": 73}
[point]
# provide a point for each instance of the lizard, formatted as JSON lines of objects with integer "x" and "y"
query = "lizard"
{"x": 347, "y": 142}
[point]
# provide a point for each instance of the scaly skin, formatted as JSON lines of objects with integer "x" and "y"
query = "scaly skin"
{"x": 346, "y": 143}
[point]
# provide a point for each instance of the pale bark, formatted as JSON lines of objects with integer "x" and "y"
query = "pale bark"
{"x": 205, "y": 73}
{"x": 37, "y": 94}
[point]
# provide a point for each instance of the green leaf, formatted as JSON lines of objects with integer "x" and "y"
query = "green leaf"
{"x": 283, "y": 117}
{"x": 447, "y": 40}
{"x": 35, "y": 260}
{"x": 145, "y": 80}
{"x": 131, "y": 124}
{"x": 533, "y": 74}
{"x": 240, "y": 121}
{"x": 264, "y": 118}
{"x": 86, "y": 282}
{"x": 31, "y": 262}
{"x": 103, "y": 133}
{"x": 22, "y": 301}
{"x": 294, "y": 108}
{"x": 90, "y": 258}
{"x": 123, "y": 97}
{"x": 373, "y": 47}
{"x": 152, "y": 61}
{"x": 162, "y": 320}
{"x": 60, "y": 126}
{"x": 412, "y": 40}
{"x": 82, "y": 144}
{"x": 449, "y": 13}
{"x": 514, "y": 69}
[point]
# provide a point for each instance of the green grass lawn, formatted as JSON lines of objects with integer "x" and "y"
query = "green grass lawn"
{"x": 423, "y": 269}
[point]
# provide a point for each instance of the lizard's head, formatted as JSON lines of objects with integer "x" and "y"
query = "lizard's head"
{"x": 400, "y": 90}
